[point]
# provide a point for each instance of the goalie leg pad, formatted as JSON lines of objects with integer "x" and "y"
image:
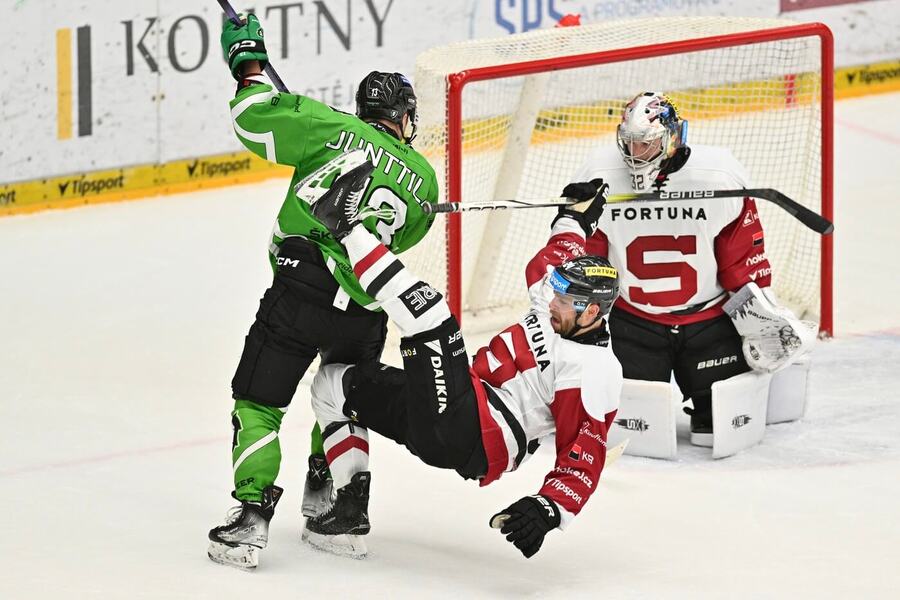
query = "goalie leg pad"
{"x": 739, "y": 412}
{"x": 787, "y": 393}
{"x": 646, "y": 418}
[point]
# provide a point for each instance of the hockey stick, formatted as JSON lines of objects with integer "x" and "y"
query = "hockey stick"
{"x": 270, "y": 70}
{"x": 811, "y": 219}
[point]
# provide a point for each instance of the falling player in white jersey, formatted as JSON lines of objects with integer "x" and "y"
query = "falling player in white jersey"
{"x": 550, "y": 373}
{"x": 680, "y": 260}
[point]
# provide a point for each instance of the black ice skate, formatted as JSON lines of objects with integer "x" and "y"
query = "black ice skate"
{"x": 701, "y": 429}
{"x": 338, "y": 529}
{"x": 318, "y": 487}
{"x": 245, "y": 532}
{"x": 337, "y": 208}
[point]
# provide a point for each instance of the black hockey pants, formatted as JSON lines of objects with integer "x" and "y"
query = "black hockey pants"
{"x": 429, "y": 406}
{"x": 296, "y": 322}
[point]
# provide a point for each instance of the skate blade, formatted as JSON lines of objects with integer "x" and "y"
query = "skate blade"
{"x": 349, "y": 546}
{"x": 243, "y": 557}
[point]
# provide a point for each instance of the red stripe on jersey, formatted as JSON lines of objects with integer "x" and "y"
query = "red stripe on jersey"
{"x": 491, "y": 435}
{"x": 346, "y": 445}
{"x": 369, "y": 259}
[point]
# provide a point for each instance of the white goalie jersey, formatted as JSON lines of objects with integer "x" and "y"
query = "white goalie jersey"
{"x": 677, "y": 259}
{"x": 539, "y": 383}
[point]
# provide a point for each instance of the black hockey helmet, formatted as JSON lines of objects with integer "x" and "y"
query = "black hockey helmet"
{"x": 588, "y": 280}
{"x": 388, "y": 96}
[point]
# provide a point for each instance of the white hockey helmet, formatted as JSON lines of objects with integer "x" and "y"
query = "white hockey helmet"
{"x": 650, "y": 133}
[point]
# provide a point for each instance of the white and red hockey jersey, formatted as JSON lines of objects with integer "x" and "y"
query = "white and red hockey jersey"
{"x": 677, "y": 259}
{"x": 540, "y": 383}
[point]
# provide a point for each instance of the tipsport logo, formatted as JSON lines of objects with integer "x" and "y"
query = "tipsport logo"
{"x": 518, "y": 16}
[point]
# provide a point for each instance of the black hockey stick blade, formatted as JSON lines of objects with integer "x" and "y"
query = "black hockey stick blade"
{"x": 270, "y": 70}
{"x": 811, "y": 219}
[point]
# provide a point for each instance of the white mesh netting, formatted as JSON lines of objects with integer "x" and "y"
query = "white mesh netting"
{"x": 524, "y": 136}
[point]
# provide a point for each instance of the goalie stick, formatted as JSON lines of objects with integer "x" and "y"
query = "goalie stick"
{"x": 811, "y": 219}
{"x": 270, "y": 70}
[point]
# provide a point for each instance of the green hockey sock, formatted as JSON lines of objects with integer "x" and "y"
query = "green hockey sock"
{"x": 256, "y": 451}
{"x": 317, "y": 446}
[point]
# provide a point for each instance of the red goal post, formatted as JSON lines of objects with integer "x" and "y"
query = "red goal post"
{"x": 516, "y": 116}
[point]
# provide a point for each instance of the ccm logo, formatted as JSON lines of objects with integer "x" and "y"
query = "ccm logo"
{"x": 287, "y": 262}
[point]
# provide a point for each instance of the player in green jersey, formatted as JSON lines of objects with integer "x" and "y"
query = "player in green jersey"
{"x": 315, "y": 305}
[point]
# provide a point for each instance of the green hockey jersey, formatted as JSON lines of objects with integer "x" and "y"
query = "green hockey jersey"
{"x": 300, "y": 132}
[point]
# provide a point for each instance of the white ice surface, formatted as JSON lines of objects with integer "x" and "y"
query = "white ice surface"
{"x": 120, "y": 327}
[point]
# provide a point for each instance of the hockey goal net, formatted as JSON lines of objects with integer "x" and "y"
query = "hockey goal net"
{"x": 514, "y": 117}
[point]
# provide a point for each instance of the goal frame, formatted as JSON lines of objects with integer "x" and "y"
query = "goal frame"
{"x": 456, "y": 83}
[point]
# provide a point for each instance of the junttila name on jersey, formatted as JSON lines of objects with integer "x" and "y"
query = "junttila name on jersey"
{"x": 344, "y": 143}
{"x": 659, "y": 213}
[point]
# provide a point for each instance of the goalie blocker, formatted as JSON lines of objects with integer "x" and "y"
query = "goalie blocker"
{"x": 775, "y": 344}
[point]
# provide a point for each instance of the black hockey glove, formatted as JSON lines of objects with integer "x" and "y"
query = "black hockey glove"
{"x": 525, "y": 522}
{"x": 591, "y": 197}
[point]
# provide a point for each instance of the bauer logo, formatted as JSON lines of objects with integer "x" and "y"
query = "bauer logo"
{"x": 517, "y": 16}
{"x": 740, "y": 420}
{"x": 716, "y": 362}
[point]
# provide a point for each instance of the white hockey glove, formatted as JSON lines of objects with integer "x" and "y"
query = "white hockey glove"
{"x": 773, "y": 335}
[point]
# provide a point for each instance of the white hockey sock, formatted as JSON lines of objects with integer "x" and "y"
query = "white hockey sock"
{"x": 412, "y": 304}
{"x": 346, "y": 450}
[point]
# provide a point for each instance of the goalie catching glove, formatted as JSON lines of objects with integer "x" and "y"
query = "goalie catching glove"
{"x": 526, "y": 522}
{"x": 591, "y": 198}
{"x": 243, "y": 42}
{"x": 773, "y": 336}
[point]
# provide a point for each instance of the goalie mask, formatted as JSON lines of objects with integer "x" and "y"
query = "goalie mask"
{"x": 388, "y": 96}
{"x": 584, "y": 281}
{"x": 649, "y": 134}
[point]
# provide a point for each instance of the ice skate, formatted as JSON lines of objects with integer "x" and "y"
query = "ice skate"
{"x": 318, "y": 487}
{"x": 339, "y": 529}
{"x": 337, "y": 208}
{"x": 701, "y": 430}
{"x": 245, "y": 532}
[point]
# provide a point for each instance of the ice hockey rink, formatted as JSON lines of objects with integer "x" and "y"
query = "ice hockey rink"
{"x": 121, "y": 326}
